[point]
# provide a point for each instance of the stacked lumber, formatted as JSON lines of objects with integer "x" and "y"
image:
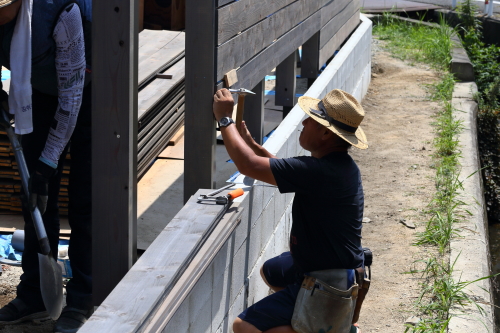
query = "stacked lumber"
{"x": 10, "y": 181}
{"x": 160, "y": 115}
{"x": 161, "y": 93}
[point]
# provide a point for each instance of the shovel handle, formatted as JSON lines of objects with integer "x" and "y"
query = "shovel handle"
{"x": 25, "y": 178}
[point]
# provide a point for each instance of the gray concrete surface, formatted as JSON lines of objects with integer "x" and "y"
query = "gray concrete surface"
{"x": 471, "y": 250}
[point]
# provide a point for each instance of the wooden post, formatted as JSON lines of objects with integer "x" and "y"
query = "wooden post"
{"x": 310, "y": 59}
{"x": 285, "y": 83}
{"x": 254, "y": 112}
{"x": 199, "y": 123}
{"x": 114, "y": 142}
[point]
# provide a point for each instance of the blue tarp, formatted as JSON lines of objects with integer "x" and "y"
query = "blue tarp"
{"x": 6, "y": 249}
{"x": 8, "y": 252}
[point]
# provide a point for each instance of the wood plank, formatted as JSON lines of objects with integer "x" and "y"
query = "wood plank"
{"x": 156, "y": 55}
{"x": 159, "y": 88}
{"x": 174, "y": 152}
{"x": 334, "y": 43}
{"x": 242, "y": 14}
{"x": 310, "y": 58}
{"x": 158, "y": 270}
{"x": 167, "y": 308}
{"x": 199, "y": 121}
{"x": 230, "y": 78}
{"x": 332, "y": 26}
{"x": 286, "y": 81}
{"x": 254, "y": 70}
{"x": 114, "y": 147}
{"x": 179, "y": 135}
{"x": 331, "y": 9}
{"x": 254, "y": 112}
{"x": 244, "y": 46}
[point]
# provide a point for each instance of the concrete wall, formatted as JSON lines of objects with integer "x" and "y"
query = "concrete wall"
{"x": 232, "y": 281}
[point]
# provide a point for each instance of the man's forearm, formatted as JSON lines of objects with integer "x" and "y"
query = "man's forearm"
{"x": 260, "y": 151}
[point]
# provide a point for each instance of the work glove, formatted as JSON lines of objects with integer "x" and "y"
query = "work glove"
{"x": 39, "y": 186}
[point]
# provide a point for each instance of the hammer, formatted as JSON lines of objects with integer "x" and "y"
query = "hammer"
{"x": 242, "y": 92}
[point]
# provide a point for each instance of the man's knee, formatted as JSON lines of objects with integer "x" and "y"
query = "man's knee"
{"x": 241, "y": 326}
{"x": 274, "y": 288}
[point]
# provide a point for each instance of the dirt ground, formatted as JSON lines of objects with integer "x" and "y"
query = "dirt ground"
{"x": 398, "y": 182}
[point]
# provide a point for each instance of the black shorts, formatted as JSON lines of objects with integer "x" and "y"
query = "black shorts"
{"x": 277, "y": 309}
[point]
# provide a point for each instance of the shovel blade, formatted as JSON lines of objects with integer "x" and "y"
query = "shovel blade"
{"x": 51, "y": 284}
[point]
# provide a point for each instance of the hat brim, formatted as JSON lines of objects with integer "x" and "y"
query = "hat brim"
{"x": 4, "y": 3}
{"x": 357, "y": 139}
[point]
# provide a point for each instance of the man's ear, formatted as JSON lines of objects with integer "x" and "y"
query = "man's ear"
{"x": 327, "y": 134}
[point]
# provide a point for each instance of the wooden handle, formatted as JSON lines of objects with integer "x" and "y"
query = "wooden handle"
{"x": 235, "y": 193}
{"x": 239, "y": 111}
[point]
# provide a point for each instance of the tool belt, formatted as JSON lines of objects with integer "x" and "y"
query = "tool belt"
{"x": 322, "y": 308}
{"x": 363, "y": 280}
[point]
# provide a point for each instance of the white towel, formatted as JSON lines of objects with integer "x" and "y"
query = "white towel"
{"x": 20, "y": 66}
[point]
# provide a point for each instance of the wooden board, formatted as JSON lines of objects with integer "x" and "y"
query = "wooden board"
{"x": 158, "y": 270}
{"x": 242, "y": 14}
{"x": 334, "y": 43}
{"x": 286, "y": 81}
{"x": 249, "y": 43}
{"x": 179, "y": 135}
{"x": 159, "y": 88}
{"x": 174, "y": 151}
{"x": 157, "y": 50}
{"x": 253, "y": 71}
{"x": 114, "y": 148}
{"x": 332, "y": 26}
{"x": 200, "y": 77}
{"x": 310, "y": 58}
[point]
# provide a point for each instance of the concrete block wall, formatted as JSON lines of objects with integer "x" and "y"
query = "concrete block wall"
{"x": 232, "y": 282}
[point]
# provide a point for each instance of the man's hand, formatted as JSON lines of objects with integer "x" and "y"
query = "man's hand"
{"x": 223, "y": 104}
{"x": 39, "y": 186}
{"x": 246, "y": 135}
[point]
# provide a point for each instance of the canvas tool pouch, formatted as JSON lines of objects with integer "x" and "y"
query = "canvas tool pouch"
{"x": 321, "y": 308}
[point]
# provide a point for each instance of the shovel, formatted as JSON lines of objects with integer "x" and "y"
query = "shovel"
{"x": 50, "y": 272}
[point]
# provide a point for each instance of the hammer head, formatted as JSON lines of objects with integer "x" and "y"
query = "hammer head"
{"x": 241, "y": 91}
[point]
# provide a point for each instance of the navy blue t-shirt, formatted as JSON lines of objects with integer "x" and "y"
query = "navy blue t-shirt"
{"x": 327, "y": 210}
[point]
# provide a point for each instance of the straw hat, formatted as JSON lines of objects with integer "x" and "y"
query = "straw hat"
{"x": 4, "y": 3}
{"x": 340, "y": 112}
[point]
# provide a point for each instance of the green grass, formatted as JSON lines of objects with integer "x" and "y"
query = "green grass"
{"x": 439, "y": 291}
{"x": 416, "y": 43}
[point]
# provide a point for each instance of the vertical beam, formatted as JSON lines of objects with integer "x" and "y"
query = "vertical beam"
{"x": 254, "y": 112}
{"x": 199, "y": 134}
{"x": 285, "y": 83}
{"x": 178, "y": 15}
{"x": 310, "y": 59}
{"x": 114, "y": 142}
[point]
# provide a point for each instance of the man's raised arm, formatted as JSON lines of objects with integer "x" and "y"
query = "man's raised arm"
{"x": 250, "y": 158}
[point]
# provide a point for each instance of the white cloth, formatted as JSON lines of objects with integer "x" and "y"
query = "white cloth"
{"x": 20, "y": 66}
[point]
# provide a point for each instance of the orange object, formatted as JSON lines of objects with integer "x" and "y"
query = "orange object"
{"x": 235, "y": 193}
